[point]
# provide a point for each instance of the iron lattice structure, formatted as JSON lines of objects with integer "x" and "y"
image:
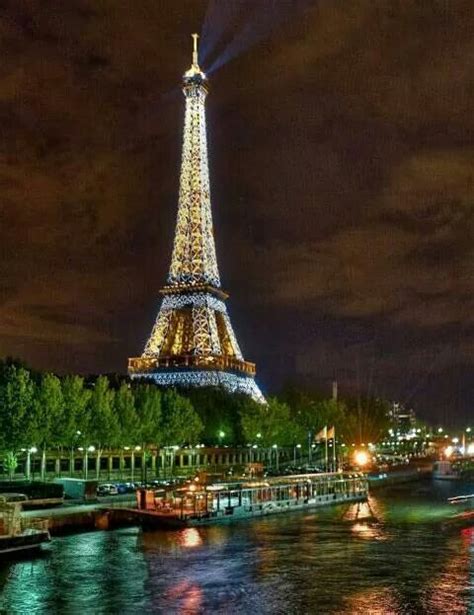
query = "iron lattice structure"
{"x": 192, "y": 342}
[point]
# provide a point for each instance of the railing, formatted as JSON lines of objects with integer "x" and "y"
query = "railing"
{"x": 127, "y": 465}
{"x": 140, "y": 365}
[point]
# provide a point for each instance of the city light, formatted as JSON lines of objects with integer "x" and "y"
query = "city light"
{"x": 361, "y": 458}
{"x": 448, "y": 451}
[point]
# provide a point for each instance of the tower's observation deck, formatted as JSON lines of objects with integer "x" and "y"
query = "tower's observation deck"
{"x": 192, "y": 342}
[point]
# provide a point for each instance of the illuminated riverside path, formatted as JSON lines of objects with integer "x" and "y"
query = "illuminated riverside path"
{"x": 309, "y": 562}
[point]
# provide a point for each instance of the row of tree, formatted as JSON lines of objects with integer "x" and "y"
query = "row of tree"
{"x": 47, "y": 412}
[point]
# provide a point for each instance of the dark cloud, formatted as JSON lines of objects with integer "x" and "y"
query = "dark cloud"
{"x": 341, "y": 152}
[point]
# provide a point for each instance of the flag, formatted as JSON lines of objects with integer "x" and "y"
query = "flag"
{"x": 331, "y": 433}
{"x": 321, "y": 435}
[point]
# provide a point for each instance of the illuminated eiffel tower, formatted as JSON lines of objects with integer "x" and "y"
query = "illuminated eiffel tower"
{"x": 192, "y": 342}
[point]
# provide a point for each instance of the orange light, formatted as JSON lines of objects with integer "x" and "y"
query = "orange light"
{"x": 361, "y": 458}
{"x": 190, "y": 537}
{"x": 448, "y": 451}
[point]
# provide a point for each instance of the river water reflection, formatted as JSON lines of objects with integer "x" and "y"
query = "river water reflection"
{"x": 321, "y": 562}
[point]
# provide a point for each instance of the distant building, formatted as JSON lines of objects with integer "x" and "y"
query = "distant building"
{"x": 403, "y": 420}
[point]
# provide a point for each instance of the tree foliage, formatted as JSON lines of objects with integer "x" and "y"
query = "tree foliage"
{"x": 103, "y": 422}
{"x": 46, "y": 411}
{"x": 75, "y": 416}
{"x": 270, "y": 424}
{"x": 126, "y": 415}
{"x": 180, "y": 422}
{"x": 148, "y": 409}
{"x": 17, "y": 393}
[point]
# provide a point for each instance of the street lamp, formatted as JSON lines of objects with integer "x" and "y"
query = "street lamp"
{"x": 361, "y": 458}
{"x": 294, "y": 452}
{"x": 73, "y": 443}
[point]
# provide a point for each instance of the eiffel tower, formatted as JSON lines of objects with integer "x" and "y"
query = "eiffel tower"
{"x": 192, "y": 342}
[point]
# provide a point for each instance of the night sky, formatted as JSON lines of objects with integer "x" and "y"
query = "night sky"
{"x": 341, "y": 137}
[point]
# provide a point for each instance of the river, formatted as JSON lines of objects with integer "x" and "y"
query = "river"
{"x": 319, "y": 562}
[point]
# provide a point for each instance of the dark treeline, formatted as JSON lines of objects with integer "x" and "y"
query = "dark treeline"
{"x": 45, "y": 411}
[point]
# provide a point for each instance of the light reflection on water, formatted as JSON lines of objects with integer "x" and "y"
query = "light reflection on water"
{"x": 385, "y": 559}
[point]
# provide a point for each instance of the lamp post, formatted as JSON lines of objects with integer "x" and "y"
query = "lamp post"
{"x": 76, "y": 437}
{"x": 294, "y": 452}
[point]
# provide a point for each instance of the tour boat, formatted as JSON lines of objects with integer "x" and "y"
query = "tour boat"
{"x": 198, "y": 504}
{"x": 17, "y": 534}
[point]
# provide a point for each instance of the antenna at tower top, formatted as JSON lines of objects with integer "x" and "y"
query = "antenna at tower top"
{"x": 195, "y": 72}
{"x": 195, "y": 49}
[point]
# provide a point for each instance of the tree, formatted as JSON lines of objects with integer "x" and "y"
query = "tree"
{"x": 148, "y": 410}
{"x": 10, "y": 462}
{"x": 124, "y": 403}
{"x": 48, "y": 412}
{"x": 16, "y": 404}
{"x": 75, "y": 416}
{"x": 103, "y": 423}
{"x": 181, "y": 424}
{"x": 219, "y": 411}
{"x": 367, "y": 419}
{"x": 270, "y": 424}
{"x": 314, "y": 415}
